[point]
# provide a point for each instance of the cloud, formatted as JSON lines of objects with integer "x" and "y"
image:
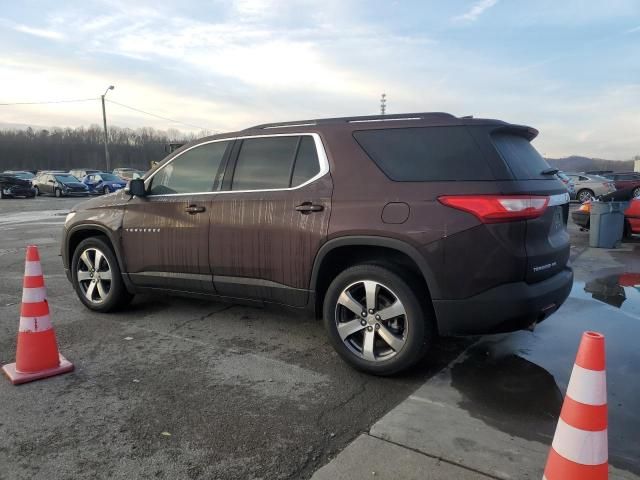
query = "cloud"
{"x": 633, "y": 30}
{"x": 39, "y": 32}
{"x": 475, "y": 11}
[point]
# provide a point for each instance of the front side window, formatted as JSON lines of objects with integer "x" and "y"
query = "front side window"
{"x": 265, "y": 163}
{"x": 194, "y": 171}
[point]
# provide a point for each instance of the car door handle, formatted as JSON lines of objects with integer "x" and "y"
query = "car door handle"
{"x": 308, "y": 207}
{"x": 193, "y": 209}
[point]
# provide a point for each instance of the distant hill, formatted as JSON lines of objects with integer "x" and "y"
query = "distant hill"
{"x": 576, "y": 163}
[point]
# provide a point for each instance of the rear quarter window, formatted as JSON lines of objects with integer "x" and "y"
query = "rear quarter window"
{"x": 425, "y": 154}
{"x": 521, "y": 157}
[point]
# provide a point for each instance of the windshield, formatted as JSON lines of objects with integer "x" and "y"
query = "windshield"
{"x": 66, "y": 178}
{"x": 109, "y": 177}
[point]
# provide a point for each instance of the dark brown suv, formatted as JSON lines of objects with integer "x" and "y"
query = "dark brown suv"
{"x": 394, "y": 228}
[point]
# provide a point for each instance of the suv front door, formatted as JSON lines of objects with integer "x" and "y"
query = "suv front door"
{"x": 269, "y": 224}
{"x": 166, "y": 233}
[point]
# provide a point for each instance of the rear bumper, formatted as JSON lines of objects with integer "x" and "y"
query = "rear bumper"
{"x": 506, "y": 308}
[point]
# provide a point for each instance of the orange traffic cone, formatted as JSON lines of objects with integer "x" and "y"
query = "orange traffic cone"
{"x": 37, "y": 353}
{"x": 579, "y": 449}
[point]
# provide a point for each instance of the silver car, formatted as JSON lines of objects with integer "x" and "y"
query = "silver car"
{"x": 588, "y": 185}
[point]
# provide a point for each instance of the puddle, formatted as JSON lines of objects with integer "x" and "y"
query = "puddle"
{"x": 619, "y": 290}
{"x": 515, "y": 382}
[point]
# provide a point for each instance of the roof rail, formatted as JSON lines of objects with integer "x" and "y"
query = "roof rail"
{"x": 361, "y": 119}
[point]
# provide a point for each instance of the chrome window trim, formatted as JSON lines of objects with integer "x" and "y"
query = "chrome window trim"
{"x": 559, "y": 199}
{"x": 322, "y": 160}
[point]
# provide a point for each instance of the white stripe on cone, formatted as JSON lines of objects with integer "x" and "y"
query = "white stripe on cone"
{"x": 32, "y": 269}
{"x": 35, "y": 324}
{"x": 34, "y": 295}
{"x": 588, "y": 386}
{"x": 580, "y": 446}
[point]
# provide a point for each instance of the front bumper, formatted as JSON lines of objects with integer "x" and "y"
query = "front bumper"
{"x": 506, "y": 308}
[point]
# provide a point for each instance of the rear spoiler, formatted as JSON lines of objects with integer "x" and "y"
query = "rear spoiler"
{"x": 520, "y": 130}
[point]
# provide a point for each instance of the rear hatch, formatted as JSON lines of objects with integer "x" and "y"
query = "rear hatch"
{"x": 546, "y": 239}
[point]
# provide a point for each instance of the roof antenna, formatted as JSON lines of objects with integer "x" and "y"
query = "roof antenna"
{"x": 383, "y": 103}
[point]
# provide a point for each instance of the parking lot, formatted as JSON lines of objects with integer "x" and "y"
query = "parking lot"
{"x": 183, "y": 388}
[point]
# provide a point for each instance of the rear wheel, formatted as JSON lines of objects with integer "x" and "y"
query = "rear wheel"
{"x": 636, "y": 192}
{"x": 96, "y": 276}
{"x": 375, "y": 320}
{"x": 585, "y": 194}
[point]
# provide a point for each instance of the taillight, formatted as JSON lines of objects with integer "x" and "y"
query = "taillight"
{"x": 498, "y": 208}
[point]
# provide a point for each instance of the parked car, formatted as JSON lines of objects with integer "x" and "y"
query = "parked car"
{"x": 626, "y": 181}
{"x": 415, "y": 225}
{"x": 59, "y": 184}
{"x": 589, "y": 186}
{"x": 582, "y": 216}
{"x": 12, "y": 185}
{"x": 23, "y": 174}
{"x": 128, "y": 173}
{"x": 104, "y": 183}
{"x": 568, "y": 183}
{"x": 82, "y": 172}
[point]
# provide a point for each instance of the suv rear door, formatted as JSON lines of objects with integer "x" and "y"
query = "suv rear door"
{"x": 547, "y": 239}
{"x": 165, "y": 235}
{"x": 269, "y": 224}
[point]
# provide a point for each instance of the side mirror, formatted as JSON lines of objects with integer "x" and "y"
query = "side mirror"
{"x": 136, "y": 187}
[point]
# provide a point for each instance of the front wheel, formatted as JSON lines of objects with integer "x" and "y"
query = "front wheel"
{"x": 58, "y": 192}
{"x": 375, "y": 320}
{"x": 96, "y": 276}
{"x": 106, "y": 190}
{"x": 37, "y": 191}
{"x": 636, "y": 192}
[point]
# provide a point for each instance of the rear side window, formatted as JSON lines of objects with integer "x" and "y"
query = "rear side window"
{"x": 523, "y": 160}
{"x": 194, "y": 171}
{"x": 264, "y": 163}
{"x": 307, "y": 165}
{"x": 425, "y": 154}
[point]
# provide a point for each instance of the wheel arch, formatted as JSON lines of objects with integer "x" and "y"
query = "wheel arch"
{"x": 340, "y": 253}
{"x": 81, "y": 232}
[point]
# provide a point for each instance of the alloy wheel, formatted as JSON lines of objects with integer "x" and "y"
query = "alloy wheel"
{"x": 371, "y": 320}
{"x": 94, "y": 275}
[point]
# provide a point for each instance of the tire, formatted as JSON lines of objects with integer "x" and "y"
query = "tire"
{"x": 636, "y": 192}
{"x": 2, "y": 195}
{"x": 106, "y": 190}
{"x": 37, "y": 191}
{"x": 106, "y": 295}
{"x": 410, "y": 331}
{"x": 58, "y": 192}
{"x": 584, "y": 195}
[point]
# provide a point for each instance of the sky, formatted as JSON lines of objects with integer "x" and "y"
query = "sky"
{"x": 571, "y": 69}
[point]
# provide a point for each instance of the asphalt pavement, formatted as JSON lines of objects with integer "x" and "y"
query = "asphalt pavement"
{"x": 175, "y": 387}
{"x": 183, "y": 388}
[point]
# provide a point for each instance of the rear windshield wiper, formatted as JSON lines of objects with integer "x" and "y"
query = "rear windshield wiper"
{"x": 549, "y": 171}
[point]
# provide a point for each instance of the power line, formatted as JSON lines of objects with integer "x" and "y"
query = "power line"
{"x": 157, "y": 116}
{"x": 50, "y": 101}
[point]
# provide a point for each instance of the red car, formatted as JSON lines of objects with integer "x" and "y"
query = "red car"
{"x": 626, "y": 181}
{"x": 581, "y": 217}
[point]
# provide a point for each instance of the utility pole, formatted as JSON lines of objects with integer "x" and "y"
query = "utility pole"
{"x": 104, "y": 120}
{"x": 383, "y": 104}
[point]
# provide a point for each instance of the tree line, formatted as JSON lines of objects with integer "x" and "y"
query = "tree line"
{"x": 81, "y": 147}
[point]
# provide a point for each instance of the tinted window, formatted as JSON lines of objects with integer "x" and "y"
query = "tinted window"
{"x": 264, "y": 163}
{"x": 424, "y": 154}
{"x": 108, "y": 177}
{"x": 627, "y": 177}
{"x": 307, "y": 165}
{"x": 193, "y": 171}
{"x": 523, "y": 160}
